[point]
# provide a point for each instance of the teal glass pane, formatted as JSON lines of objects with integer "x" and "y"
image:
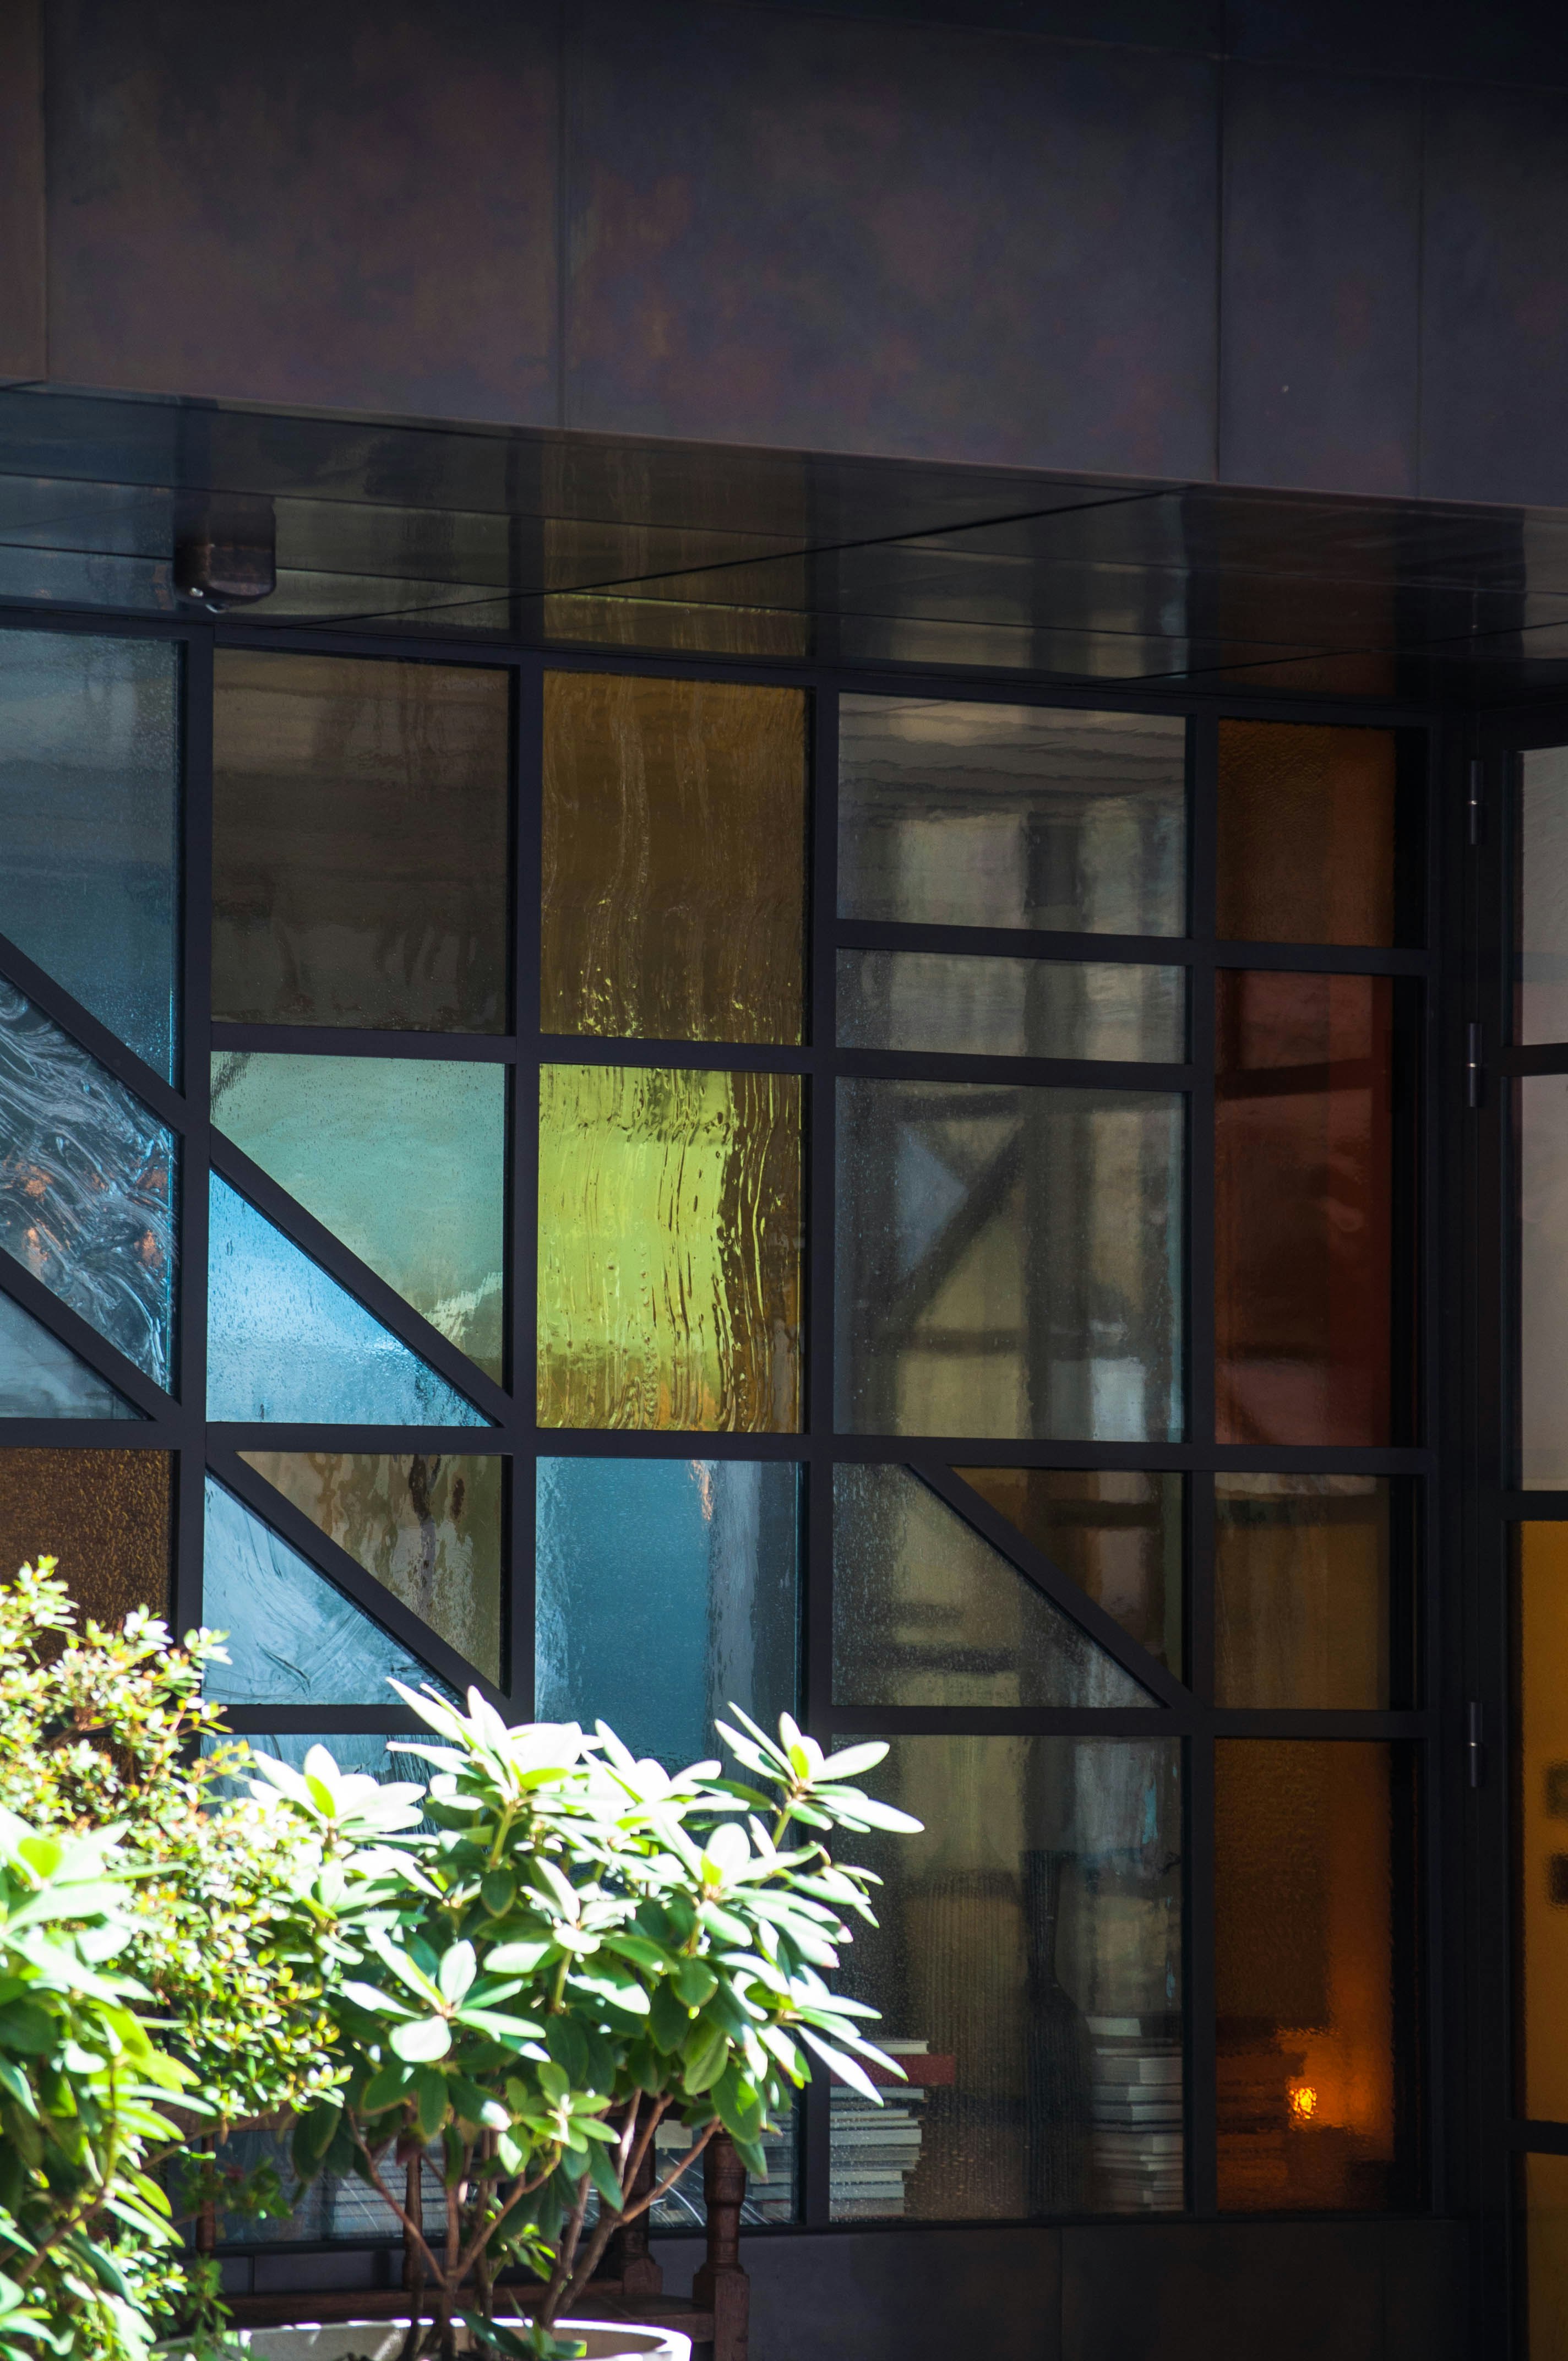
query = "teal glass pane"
{"x": 666, "y": 1590}
{"x": 41, "y": 1378}
{"x": 88, "y": 779}
{"x": 294, "y": 1637}
{"x": 403, "y": 1158}
{"x": 287, "y": 1343}
{"x": 86, "y": 1186}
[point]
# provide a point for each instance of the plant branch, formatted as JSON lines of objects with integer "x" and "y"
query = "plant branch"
{"x": 410, "y": 2225}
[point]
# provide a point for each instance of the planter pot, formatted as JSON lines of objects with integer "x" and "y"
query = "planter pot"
{"x": 381, "y": 2340}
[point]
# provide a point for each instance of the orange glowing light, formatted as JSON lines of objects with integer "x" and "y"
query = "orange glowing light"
{"x": 1303, "y": 2103}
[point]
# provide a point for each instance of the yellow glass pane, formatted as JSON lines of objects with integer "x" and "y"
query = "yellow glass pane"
{"x": 1546, "y": 2255}
{"x": 103, "y": 1514}
{"x": 669, "y": 1249}
{"x": 674, "y": 859}
{"x": 1542, "y": 1773}
{"x": 1302, "y": 1591}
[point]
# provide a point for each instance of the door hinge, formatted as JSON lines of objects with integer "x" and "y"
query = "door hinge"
{"x": 1473, "y": 1064}
{"x": 1475, "y": 1728}
{"x": 1477, "y": 776}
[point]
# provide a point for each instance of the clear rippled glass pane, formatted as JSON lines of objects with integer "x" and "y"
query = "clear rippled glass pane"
{"x": 1118, "y": 1532}
{"x": 89, "y": 812}
{"x": 669, "y": 1249}
{"x": 1009, "y": 1261}
{"x": 427, "y": 1525}
{"x": 286, "y": 1343}
{"x": 926, "y": 1613}
{"x": 86, "y": 1186}
{"x": 41, "y": 1378}
{"x": 1011, "y": 1008}
{"x": 294, "y": 1637}
{"x": 403, "y": 1158}
{"x": 665, "y": 1591}
{"x": 1012, "y": 816}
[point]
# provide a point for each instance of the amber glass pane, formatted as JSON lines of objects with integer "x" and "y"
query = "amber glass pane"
{"x": 103, "y": 1514}
{"x": 1542, "y": 1671}
{"x": 1302, "y": 1591}
{"x": 674, "y": 859}
{"x": 1116, "y": 1533}
{"x": 1305, "y": 1845}
{"x": 1546, "y": 2255}
{"x": 1303, "y": 1240}
{"x": 359, "y": 843}
{"x": 669, "y": 1249}
{"x": 1306, "y": 841}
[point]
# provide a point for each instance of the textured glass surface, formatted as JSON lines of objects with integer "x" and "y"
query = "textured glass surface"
{"x": 89, "y": 809}
{"x": 1011, "y": 1007}
{"x": 1118, "y": 1532}
{"x": 86, "y": 1186}
{"x": 1546, "y": 2255}
{"x": 426, "y": 1524}
{"x": 294, "y": 1637}
{"x": 771, "y": 2196}
{"x": 674, "y": 859}
{"x": 1303, "y": 1208}
{"x": 41, "y": 1378}
{"x": 1305, "y": 836}
{"x": 359, "y": 843}
{"x": 1541, "y": 998}
{"x": 103, "y": 1514}
{"x": 1009, "y": 1261}
{"x": 669, "y": 1249}
{"x": 1302, "y": 1592}
{"x": 286, "y": 1343}
{"x": 665, "y": 1591}
{"x": 1307, "y": 1835}
{"x": 403, "y": 1158}
{"x": 1541, "y": 1680}
{"x": 1012, "y": 816}
{"x": 1544, "y": 1279}
{"x": 926, "y": 1613}
{"x": 1028, "y": 1966}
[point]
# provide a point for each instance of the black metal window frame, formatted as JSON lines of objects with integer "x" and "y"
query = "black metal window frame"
{"x": 176, "y": 1423}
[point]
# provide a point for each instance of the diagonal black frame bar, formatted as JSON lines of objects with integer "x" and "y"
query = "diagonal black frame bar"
{"x": 156, "y": 1092}
{"x": 105, "y": 1359}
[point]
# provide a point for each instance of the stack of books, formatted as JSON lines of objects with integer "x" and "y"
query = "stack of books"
{"x": 875, "y": 2149}
{"x": 1136, "y": 2117}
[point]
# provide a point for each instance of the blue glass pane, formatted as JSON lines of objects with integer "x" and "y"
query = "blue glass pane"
{"x": 294, "y": 1637}
{"x": 86, "y": 1186}
{"x": 286, "y": 1342}
{"x": 41, "y": 1378}
{"x": 666, "y": 1590}
{"x": 88, "y": 815}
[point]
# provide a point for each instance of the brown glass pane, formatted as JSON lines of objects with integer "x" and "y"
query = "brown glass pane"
{"x": 1306, "y": 838}
{"x": 1303, "y": 1238}
{"x": 674, "y": 859}
{"x": 1541, "y": 1674}
{"x": 1306, "y": 1842}
{"x": 1116, "y": 1533}
{"x": 1302, "y": 1591}
{"x": 103, "y": 1514}
{"x": 1540, "y": 998}
{"x": 1546, "y": 2255}
{"x": 359, "y": 843}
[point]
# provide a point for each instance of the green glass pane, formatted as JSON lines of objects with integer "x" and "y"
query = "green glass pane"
{"x": 427, "y": 1525}
{"x": 403, "y": 1158}
{"x": 669, "y": 1249}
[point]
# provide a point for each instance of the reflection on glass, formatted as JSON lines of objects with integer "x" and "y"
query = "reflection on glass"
{"x": 286, "y": 1343}
{"x": 336, "y": 2208}
{"x": 674, "y": 859}
{"x": 1011, "y": 1007}
{"x": 770, "y": 2197}
{"x": 1541, "y": 1678}
{"x": 665, "y": 1591}
{"x": 1303, "y": 1229}
{"x": 1305, "y": 836}
{"x": 89, "y": 785}
{"x": 1541, "y": 999}
{"x": 403, "y": 1158}
{"x": 1544, "y": 1279}
{"x": 427, "y": 1525}
{"x": 1028, "y": 1968}
{"x": 1546, "y": 2255}
{"x": 294, "y": 1637}
{"x": 103, "y": 1514}
{"x": 1302, "y": 1593}
{"x": 1308, "y": 1835}
{"x": 926, "y": 1613}
{"x": 1116, "y": 1533}
{"x": 86, "y": 1186}
{"x": 1012, "y": 816}
{"x": 359, "y": 843}
{"x": 1009, "y": 1261}
{"x": 41, "y": 1378}
{"x": 669, "y": 1249}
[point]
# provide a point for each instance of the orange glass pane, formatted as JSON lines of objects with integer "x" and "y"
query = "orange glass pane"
{"x": 1303, "y": 1217}
{"x": 1306, "y": 835}
{"x": 1115, "y": 1532}
{"x": 1541, "y": 1771}
{"x": 1546, "y": 2255}
{"x": 103, "y": 1514}
{"x": 1305, "y": 1845}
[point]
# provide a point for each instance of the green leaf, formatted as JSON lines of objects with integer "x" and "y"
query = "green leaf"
{"x": 313, "y": 2135}
{"x": 518, "y": 1959}
{"x": 457, "y": 1973}
{"x": 386, "y": 2087}
{"x": 426, "y": 2038}
{"x": 707, "y": 2050}
{"x": 602, "y": 2173}
{"x": 669, "y": 2020}
{"x": 695, "y": 1982}
{"x": 498, "y": 1892}
{"x": 430, "y": 2101}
